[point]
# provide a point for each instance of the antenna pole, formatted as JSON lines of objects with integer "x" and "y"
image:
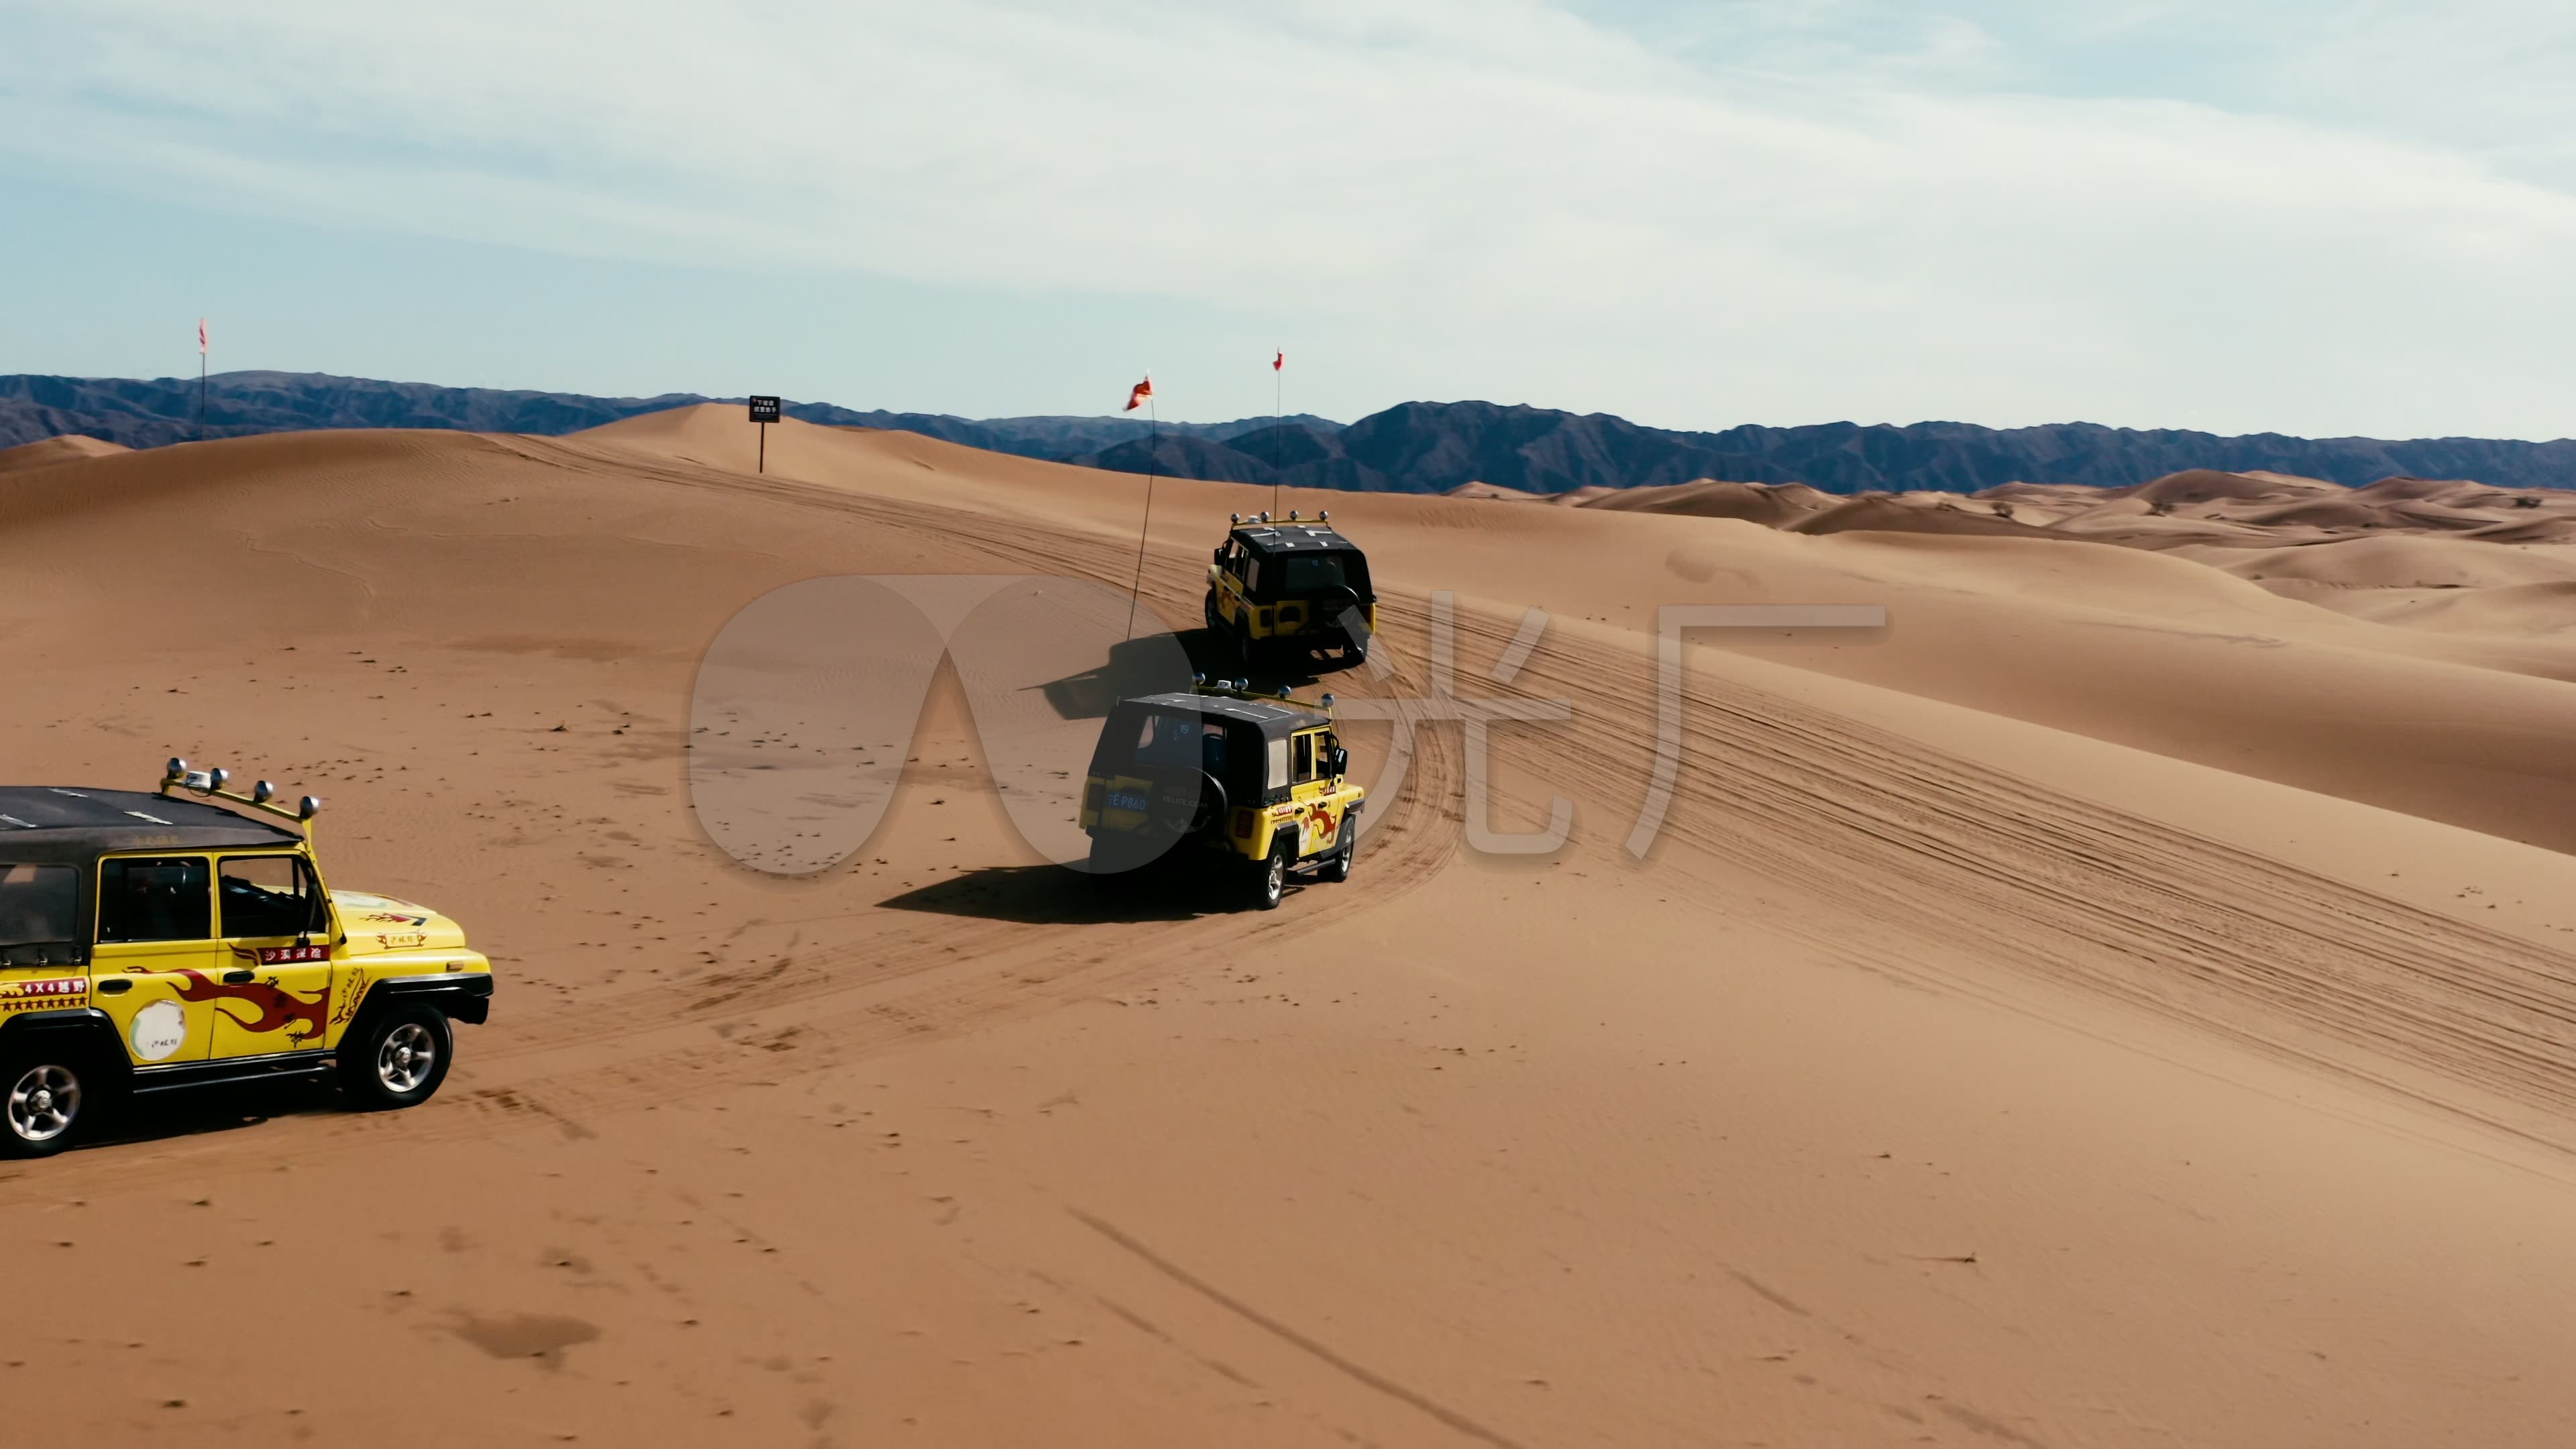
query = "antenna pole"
{"x": 1278, "y": 422}
{"x": 1153, "y": 437}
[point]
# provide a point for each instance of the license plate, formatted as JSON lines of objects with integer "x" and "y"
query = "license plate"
{"x": 1126, "y": 800}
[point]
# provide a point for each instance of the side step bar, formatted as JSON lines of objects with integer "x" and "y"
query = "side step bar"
{"x": 225, "y": 1074}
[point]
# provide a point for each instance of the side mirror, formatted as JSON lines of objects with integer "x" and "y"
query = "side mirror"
{"x": 1220, "y": 553}
{"x": 1341, "y": 760}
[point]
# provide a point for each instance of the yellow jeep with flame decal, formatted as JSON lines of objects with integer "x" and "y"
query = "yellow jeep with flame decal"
{"x": 151, "y": 943}
{"x": 1221, "y": 772}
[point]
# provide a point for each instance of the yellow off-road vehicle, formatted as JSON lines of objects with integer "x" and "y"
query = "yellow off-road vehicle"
{"x": 151, "y": 943}
{"x": 1255, "y": 782}
{"x": 1293, "y": 595}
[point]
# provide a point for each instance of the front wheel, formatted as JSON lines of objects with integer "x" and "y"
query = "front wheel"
{"x": 48, "y": 1103}
{"x": 1338, "y": 869}
{"x": 400, "y": 1060}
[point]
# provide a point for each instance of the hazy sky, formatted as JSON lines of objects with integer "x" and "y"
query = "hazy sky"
{"x": 2302, "y": 216}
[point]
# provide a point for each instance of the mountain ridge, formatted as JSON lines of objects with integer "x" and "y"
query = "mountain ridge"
{"x": 1413, "y": 447}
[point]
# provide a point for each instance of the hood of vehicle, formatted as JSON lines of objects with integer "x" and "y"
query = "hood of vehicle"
{"x": 383, "y": 923}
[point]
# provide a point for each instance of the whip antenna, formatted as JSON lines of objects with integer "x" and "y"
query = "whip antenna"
{"x": 1142, "y": 394}
{"x": 1278, "y": 423}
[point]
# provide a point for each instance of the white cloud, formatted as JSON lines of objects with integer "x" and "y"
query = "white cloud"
{"x": 1740, "y": 212}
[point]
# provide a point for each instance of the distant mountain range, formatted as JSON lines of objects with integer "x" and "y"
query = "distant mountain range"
{"x": 143, "y": 414}
{"x": 1416, "y": 447}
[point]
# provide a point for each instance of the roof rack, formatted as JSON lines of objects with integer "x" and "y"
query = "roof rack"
{"x": 1242, "y": 689}
{"x": 209, "y": 784}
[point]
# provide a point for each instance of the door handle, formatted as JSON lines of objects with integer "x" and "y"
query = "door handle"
{"x": 240, "y": 978}
{"x": 115, "y": 986}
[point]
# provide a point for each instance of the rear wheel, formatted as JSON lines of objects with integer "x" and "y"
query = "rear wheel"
{"x": 1270, "y": 882}
{"x": 46, "y": 1100}
{"x": 1215, "y": 619}
{"x": 400, "y": 1059}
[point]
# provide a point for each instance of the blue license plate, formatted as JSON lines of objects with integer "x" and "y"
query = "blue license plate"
{"x": 1126, "y": 800}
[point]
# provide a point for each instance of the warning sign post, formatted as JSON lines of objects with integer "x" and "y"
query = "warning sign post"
{"x": 764, "y": 411}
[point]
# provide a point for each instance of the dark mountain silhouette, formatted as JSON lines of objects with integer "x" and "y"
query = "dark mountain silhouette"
{"x": 1416, "y": 447}
{"x": 141, "y": 414}
{"x": 1434, "y": 447}
{"x": 1043, "y": 436}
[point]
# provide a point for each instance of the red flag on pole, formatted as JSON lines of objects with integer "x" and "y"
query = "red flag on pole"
{"x": 1136, "y": 396}
{"x": 1279, "y": 362}
{"x": 201, "y": 337}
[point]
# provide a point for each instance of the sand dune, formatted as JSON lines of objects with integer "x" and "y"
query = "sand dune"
{"x": 1888, "y": 515}
{"x": 2403, "y": 563}
{"x": 2362, "y": 552}
{"x": 46, "y": 452}
{"x": 2205, "y": 485}
{"x": 2117, "y": 1004}
{"x": 1770, "y": 506}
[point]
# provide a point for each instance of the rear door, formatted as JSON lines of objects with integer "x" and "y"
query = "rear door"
{"x": 276, "y": 991}
{"x": 40, "y": 954}
{"x": 157, "y": 962}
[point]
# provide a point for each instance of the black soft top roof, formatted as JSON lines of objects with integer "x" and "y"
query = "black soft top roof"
{"x": 1278, "y": 538}
{"x": 1276, "y": 719}
{"x": 49, "y": 824}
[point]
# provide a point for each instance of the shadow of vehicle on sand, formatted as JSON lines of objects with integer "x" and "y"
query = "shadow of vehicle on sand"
{"x": 201, "y": 1111}
{"x": 1055, "y": 895}
{"x": 1140, "y": 666}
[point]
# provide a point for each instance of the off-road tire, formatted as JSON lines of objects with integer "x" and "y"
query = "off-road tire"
{"x": 1215, "y": 619}
{"x": 375, "y": 1072}
{"x": 1338, "y": 868}
{"x": 35, "y": 1119}
{"x": 1270, "y": 877}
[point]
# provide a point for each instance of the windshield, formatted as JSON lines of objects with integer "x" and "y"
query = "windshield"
{"x": 39, "y": 904}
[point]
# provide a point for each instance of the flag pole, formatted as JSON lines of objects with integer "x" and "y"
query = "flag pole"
{"x": 1153, "y": 437}
{"x": 1278, "y": 422}
{"x": 201, "y": 379}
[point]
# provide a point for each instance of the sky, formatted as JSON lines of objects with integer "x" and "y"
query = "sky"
{"x": 2303, "y": 217}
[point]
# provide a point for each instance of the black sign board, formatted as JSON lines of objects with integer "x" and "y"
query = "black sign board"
{"x": 764, "y": 409}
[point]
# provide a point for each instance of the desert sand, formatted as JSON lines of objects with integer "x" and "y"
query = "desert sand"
{"x": 2130, "y": 999}
{"x": 45, "y": 452}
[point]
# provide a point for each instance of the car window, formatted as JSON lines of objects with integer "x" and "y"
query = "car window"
{"x": 1251, "y": 574}
{"x": 268, "y": 895}
{"x": 1182, "y": 740}
{"x": 155, "y": 900}
{"x": 39, "y": 905}
{"x": 1312, "y": 573}
{"x": 1302, "y": 757}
